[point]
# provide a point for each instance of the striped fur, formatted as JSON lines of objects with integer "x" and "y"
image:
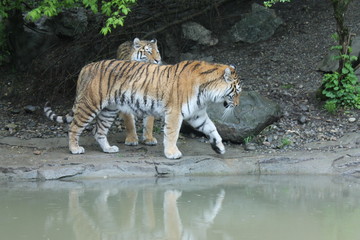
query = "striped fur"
{"x": 139, "y": 50}
{"x": 142, "y": 51}
{"x": 176, "y": 92}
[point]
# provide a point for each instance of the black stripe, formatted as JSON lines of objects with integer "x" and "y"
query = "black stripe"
{"x": 201, "y": 125}
{"x": 195, "y": 66}
{"x": 209, "y": 71}
{"x": 185, "y": 65}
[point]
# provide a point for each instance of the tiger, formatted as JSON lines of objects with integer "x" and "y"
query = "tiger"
{"x": 143, "y": 51}
{"x": 175, "y": 92}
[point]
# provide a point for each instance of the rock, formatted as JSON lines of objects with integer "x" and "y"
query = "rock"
{"x": 328, "y": 64}
{"x": 31, "y": 108}
{"x": 70, "y": 23}
{"x": 304, "y": 108}
{"x": 196, "y": 32}
{"x": 259, "y": 25}
{"x": 302, "y": 119}
{"x": 11, "y": 126}
{"x": 254, "y": 113}
{"x": 15, "y": 111}
{"x": 352, "y": 119}
{"x": 250, "y": 147}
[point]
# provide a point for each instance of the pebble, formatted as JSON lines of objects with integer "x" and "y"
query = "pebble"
{"x": 304, "y": 108}
{"x": 15, "y": 111}
{"x": 30, "y": 108}
{"x": 250, "y": 147}
{"x": 352, "y": 119}
{"x": 302, "y": 119}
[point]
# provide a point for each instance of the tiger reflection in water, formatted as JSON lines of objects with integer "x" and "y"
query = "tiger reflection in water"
{"x": 111, "y": 226}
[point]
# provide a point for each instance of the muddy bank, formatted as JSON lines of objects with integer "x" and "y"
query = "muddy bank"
{"x": 46, "y": 159}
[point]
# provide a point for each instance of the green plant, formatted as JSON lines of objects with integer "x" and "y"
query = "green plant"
{"x": 342, "y": 88}
{"x": 285, "y": 142}
{"x": 330, "y": 106}
{"x": 270, "y": 3}
{"x": 248, "y": 139}
{"x": 114, "y": 10}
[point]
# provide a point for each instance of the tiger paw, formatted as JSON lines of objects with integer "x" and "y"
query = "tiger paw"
{"x": 111, "y": 149}
{"x": 77, "y": 150}
{"x": 173, "y": 154}
{"x": 150, "y": 141}
{"x": 131, "y": 141}
{"x": 218, "y": 147}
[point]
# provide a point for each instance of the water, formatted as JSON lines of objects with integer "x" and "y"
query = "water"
{"x": 242, "y": 207}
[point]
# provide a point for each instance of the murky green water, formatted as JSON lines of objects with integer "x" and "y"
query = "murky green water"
{"x": 267, "y": 207}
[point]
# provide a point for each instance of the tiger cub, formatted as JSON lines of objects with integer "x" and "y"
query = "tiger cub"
{"x": 143, "y": 51}
{"x": 176, "y": 92}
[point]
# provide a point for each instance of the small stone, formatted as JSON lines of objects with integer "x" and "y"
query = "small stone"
{"x": 302, "y": 119}
{"x": 37, "y": 152}
{"x": 16, "y": 111}
{"x": 352, "y": 119}
{"x": 304, "y": 108}
{"x": 30, "y": 108}
{"x": 10, "y": 126}
{"x": 250, "y": 147}
{"x": 267, "y": 143}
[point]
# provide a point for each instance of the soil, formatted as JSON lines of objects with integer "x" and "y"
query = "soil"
{"x": 282, "y": 68}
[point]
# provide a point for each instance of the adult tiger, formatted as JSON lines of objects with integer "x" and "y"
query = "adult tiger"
{"x": 143, "y": 51}
{"x": 177, "y": 92}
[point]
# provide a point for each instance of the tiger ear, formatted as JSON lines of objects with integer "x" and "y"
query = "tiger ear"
{"x": 227, "y": 75}
{"x": 136, "y": 43}
{"x": 154, "y": 41}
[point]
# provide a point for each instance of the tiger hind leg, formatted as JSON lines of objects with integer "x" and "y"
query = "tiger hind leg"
{"x": 77, "y": 126}
{"x": 103, "y": 123}
{"x": 131, "y": 135}
{"x": 148, "y": 137}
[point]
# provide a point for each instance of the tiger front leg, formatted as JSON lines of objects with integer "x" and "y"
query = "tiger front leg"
{"x": 80, "y": 121}
{"x": 173, "y": 122}
{"x": 203, "y": 123}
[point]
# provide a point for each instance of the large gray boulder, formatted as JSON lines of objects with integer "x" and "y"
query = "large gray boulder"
{"x": 329, "y": 64}
{"x": 257, "y": 26}
{"x": 254, "y": 113}
{"x": 196, "y": 32}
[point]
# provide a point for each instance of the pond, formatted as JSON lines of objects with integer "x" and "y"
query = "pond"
{"x": 236, "y": 207}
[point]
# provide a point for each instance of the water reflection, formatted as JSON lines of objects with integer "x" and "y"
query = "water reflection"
{"x": 268, "y": 207}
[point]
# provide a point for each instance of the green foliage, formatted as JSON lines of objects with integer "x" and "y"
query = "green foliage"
{"x": 285, "y": 142}
{"x": 331, "y": 106}
{"x": 114, "y": 10}
{"x": 248, "y": 139}
{"x": 342, "y": 88}
{"x": 270, "y": 3}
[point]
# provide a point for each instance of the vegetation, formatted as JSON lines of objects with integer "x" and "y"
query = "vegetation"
{"x": 341, "y": 88}
{"x": 114, "y": 10}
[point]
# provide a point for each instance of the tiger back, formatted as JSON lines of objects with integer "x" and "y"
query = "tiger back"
{"x": 142, "y": 51}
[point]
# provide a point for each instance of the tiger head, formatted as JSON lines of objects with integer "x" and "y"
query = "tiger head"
{"x": 146, "y": 51}
{"x": 232, "y": 93}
